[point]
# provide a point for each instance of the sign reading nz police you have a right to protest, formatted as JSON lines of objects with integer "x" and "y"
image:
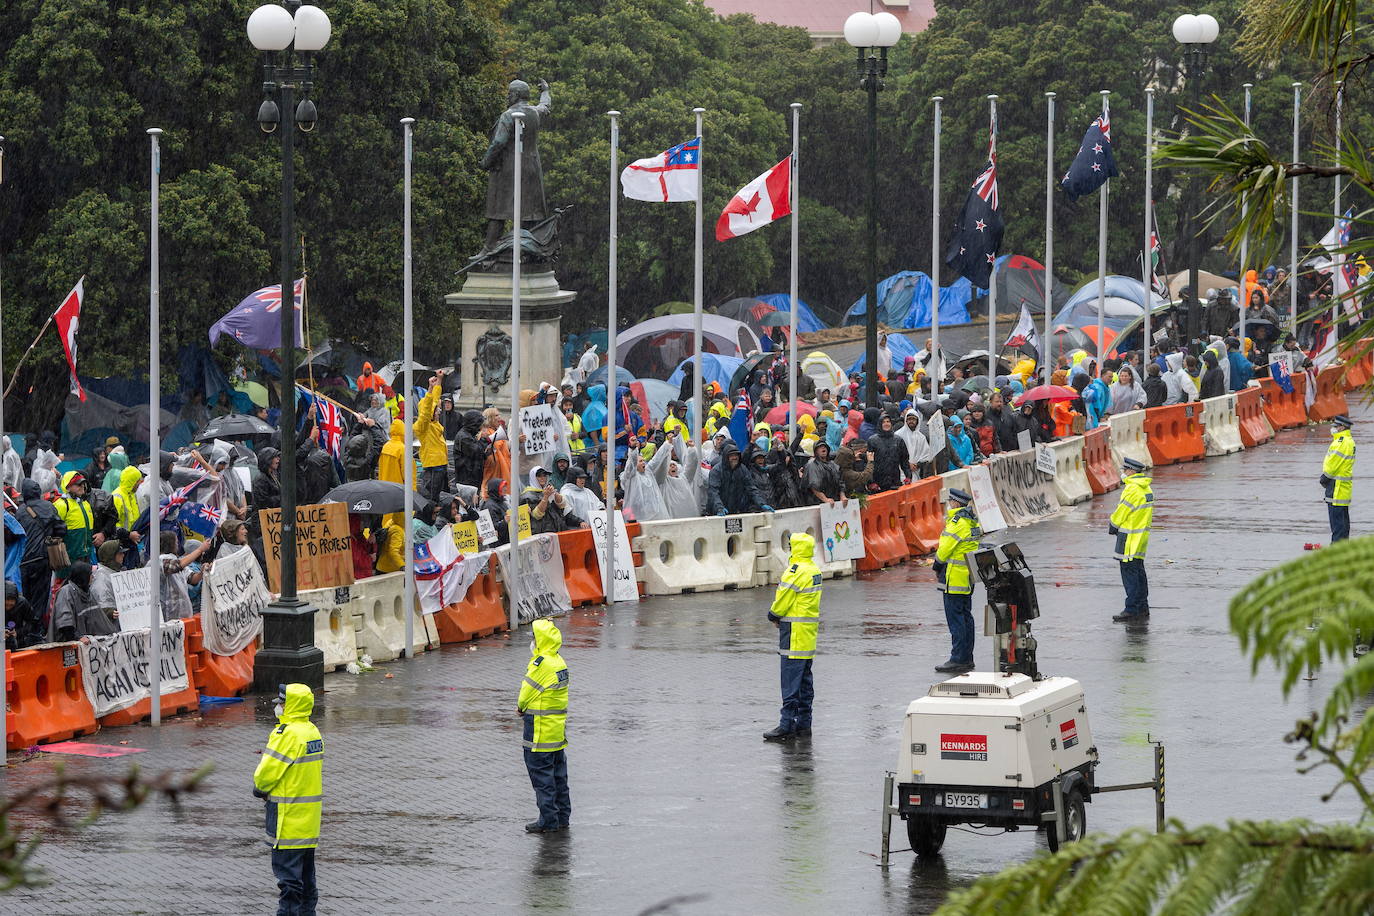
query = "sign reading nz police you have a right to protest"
{"x": 231, "y": 603}
{"x": 324, "y": 551}
{"x": 114, "y": 668}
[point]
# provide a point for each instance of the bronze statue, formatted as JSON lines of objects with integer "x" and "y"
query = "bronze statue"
{"x": 498, "y": 162}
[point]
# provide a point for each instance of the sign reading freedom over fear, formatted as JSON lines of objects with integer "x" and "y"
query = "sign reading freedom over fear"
{"x": 114, "y": 669}
{"x": 324, "y": 550}
{"x": 543, "y": 430}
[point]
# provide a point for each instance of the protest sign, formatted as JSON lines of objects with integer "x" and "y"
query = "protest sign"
{"x": 543, "y": 430}
{"x": 842, "y": 532}
{"x": 1023, "y": 440}
{"x": 1025, "y": 494}
{"x": 525, "y": 530}
{"x": 985, "y": 499}
{"x": 626, "y": 586}
{"x": 486, "y": 528}
{"x": 1044, "y": 460}
{"x": 114, "y": 669}
{"x": 443, "y": 574}
{"x": 131, "y": 598}
{"x": 231, "y": 602}
{"x": 542, "y": 591}
{"x": 935, "y": 432}
{"x": 465, "y": 537}
{"x": 324, "y": 549}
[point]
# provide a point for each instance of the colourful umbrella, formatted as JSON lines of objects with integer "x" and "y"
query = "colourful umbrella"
{"x": 1047, "y": 393}
{"x": 779, "y": 414}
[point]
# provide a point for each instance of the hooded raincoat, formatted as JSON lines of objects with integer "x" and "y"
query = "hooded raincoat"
{"x": 290, "y": 774}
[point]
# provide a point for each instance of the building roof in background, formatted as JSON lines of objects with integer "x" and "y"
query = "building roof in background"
{"x": 824, "y": 19}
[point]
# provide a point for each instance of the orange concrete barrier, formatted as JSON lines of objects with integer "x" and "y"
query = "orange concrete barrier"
{"x": 581, "y": 569}
{"x": 480, "y": 613}
{"x": 1330, "y": 400}
{"x": 923, "y": 518}
{"x": 1359, "y": 367}
{"x": 1103, "y": 474}
{"x": 46, "y": 697}
{"x": 884, "y": 539}
{"x": 1255, "y": 428}
{"x": 219, "y": 675}
{"x": 1284, "y": 410}
{"x": 173, "y": 704}
{"x": 1173, "y": 434}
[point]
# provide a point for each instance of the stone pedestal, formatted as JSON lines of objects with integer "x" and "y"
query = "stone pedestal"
{"x": 483, "y": 306}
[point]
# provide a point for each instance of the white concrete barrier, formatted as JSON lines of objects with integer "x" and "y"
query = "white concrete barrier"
{"x": 956, "y": 479}
{"x": 1128, "y": 437}
{"x": 782, "y": 525}
{"x": 1070, "y": 479}
{"x": 379, "y": 618}
{"x": 704, "y": 554}
{"x": 334, "y": 634}
{"x": 1221, "y": 425}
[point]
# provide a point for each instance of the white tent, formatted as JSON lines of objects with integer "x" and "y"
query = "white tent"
{"x": 823, "y": 370}
{"x": 653, "y": 348}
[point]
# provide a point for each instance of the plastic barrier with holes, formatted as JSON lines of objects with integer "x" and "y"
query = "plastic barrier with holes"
{"x": 1285, "y": 409}
{"x": 173, "y": 704}
{"x": 923, "y": 516}
{"x": 786, "y": 522}
{"x": 1254, "y": 426}
{"x": 1330, "y": 400}
{"x": 1128, "y": 437}
{"x": 1070, "y": 477}
{"x": 884, "y": 539}
{"x": 581, "y": 569}
{"x": 1358, "y": 371}
{"x": 480, "y": 613}
{"x": 1174, "y": 434}
{"x": 378, "y": 611}
{"x": 335, "y": 635}
{"x": 1101, "y": 466}
{"x": 704, "y": 554}
{"x": 1221, "y": 425}
{"x": 219, "y": 675}
{"x": 45, "y": 696}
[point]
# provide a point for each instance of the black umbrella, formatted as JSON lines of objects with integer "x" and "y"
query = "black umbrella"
{"x": 373, "y": 497}
{"x": 234, "y": 426}
{"x": 746, "y": 370}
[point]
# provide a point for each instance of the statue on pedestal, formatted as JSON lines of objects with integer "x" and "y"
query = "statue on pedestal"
{"x": 499, "y": 161}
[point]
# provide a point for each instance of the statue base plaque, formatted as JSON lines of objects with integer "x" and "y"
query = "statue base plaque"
{"x": 484, "y": 308}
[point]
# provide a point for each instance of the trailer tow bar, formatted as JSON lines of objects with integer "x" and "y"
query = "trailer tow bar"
{"x": 1157, "y": 784}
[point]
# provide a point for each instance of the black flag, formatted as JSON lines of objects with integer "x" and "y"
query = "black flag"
{"x": 978, "y": 230}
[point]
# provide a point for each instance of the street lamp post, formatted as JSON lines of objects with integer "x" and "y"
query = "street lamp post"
{"x": 1195, "y": 33}
{"x": 288, "y": 36}
{"x": 871, "y": 35}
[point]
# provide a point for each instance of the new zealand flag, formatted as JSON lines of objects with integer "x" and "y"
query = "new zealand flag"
{"x": 978, "y": 230}
{"x": 1094, "y": 163}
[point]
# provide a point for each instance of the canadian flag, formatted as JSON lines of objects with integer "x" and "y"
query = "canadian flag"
{"x": 68, "y": 319}
{"x": 760, "y": 202}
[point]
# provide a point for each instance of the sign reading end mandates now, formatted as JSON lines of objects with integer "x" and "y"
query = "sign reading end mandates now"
{"x": 324, "y": 550}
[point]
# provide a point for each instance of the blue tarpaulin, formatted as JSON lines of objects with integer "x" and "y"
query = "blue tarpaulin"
{"x": 905, "y": 302}
{"x": 714, "y": 368}
{"x": 898, "y": 346}
{"x": 807, "y": 321}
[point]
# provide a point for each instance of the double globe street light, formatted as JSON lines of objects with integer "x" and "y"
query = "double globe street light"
{"x": 1195, "y": 33}
{"x": 871, "y": 34}
{"x": 288, "y": 35}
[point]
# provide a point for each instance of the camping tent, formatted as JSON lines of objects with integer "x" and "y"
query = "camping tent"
{"x": 807, "y": 320}
{"x": 822, "y": 370}
{"x": 652, "y": 348}
{"x": 714, "y": 368}
{"x": 904, "y": 301}
{"x": 1075, "y": 326}
{"x": 1021, "y": 280}
{"x": 898, "y": 346}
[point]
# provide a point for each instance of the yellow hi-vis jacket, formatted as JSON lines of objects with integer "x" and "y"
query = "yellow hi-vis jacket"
{"x": 1340, "y": 467}
{"x": 544, "y": 692}
{"x": 1131, "y": 520}
{"x": 958, "y": 540}
{"x": 797, "y": 603}
{"x": 291, "y": 774}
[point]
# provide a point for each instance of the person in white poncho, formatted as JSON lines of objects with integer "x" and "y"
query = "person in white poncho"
{"x": 917, "y": 446}
{"x": 677, "y": 478}
{"x": 582, "y": 501}
{"x": 643, "y": 496}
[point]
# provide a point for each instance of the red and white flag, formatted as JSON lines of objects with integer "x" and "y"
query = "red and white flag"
{"x": 760, "y": 202}
{"x": 68, "y": 320}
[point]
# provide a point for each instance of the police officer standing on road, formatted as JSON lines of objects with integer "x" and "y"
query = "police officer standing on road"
{"x": 290, "y": 776}
{"x": 1131, "y": 525}
{"x": 1338, "y": 474}
{"x": 796, "y": 612}
{"x": 543, "y": 704}
{"x": 952, "y": 567}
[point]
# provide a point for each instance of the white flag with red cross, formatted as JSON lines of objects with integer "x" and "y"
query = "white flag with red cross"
{"x": 765, "y": 199}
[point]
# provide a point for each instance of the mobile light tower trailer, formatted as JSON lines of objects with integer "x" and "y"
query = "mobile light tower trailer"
{"x": 1007, "y": 748}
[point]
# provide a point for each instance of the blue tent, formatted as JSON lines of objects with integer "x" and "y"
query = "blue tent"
{"x": 807, "y": 321}
{"x": 714, "y": 368}
{"x": 573, "y": 346}
{"x": 623, "y": 376}
{"x": 897, "y": 345}
{"x": 905, "y": 302}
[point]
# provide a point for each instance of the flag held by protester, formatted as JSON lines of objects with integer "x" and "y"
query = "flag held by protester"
{"x": 1094, "y": 163}
{"x": 674, "y": 174}
{"x": 978, "y": 230}
{"x": 256, "y": 321}
{"x": 68, "y": 321}
{"x": 765, "y": 199}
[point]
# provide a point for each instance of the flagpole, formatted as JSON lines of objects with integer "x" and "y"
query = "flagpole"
{"x": 1293, "y": 212}
{"x": 4, "y": 658}
{"x": 992, "y": 274}
{"x": 1245, "y": 234}
{"x": 1102, "y": 256}
{"x": 154, "y": 445}
{"x": 936, "y": 375}
{"x": 1147, "y": 267}
{"x": 1047, "y": 351}
{"x": 696, "y": 284}
{"x": 517, "y": 487}
{"x": 408, "y": 354}
{"x": 796, "y": 206}
{"x": 612, "y": 284}
{"x": 1339, "y": 273}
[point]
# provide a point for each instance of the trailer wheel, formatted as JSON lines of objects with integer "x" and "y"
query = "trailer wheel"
{"x": 926, "y": 834}
{"x": 1075, "y": 821}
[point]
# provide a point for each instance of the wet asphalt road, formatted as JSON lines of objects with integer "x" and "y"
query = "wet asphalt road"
{"x": 674, "y": 793}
